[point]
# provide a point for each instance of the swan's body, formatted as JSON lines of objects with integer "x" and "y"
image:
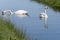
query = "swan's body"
{"x": 44, "y": 15}
{"x": 19, "y": 12}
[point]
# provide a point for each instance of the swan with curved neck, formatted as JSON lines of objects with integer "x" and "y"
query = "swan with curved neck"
{"x": 19, "y": 12}
{"x": 44, "y": 15}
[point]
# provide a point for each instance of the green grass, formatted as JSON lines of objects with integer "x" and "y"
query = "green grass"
{"x": 9, "y": 32}
{"x": 55, "y": 4}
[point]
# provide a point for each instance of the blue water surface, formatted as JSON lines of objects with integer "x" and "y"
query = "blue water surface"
{"x": 36, "y": 28}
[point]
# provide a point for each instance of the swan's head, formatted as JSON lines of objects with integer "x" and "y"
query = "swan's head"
{"x": 3, "y": 12}
{"x": 25, "y": 14}
{"x": 46, "y": 7}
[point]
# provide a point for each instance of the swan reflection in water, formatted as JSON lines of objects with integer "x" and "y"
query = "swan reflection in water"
{"x": 45, "y": 22}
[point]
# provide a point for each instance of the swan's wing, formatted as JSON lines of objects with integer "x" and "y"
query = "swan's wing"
{"x": 20, "y": 12}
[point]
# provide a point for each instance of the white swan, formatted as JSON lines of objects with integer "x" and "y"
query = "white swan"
{"x": 44, "y": 15}
{"x": 19, "y": 12}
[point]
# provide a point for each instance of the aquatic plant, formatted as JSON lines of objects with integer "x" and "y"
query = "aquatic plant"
{"x": 9, "y": 32}
{"x": 55, "y": 4}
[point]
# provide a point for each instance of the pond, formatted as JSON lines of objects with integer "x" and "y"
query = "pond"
{"x": 37, "y": 29}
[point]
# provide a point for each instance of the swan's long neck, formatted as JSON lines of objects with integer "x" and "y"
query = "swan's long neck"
{"x": 11, "y": 12}
{"x": 45, "y": 10}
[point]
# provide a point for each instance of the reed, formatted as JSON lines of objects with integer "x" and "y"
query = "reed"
{"x": 9, "y": 32}
{"x": 55, "y": 4}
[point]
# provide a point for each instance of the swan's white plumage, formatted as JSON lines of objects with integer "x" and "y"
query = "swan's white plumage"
{"x": 43, "y": 14}
{"x": 20, "y": 12}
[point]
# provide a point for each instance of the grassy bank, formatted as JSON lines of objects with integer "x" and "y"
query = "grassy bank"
{"x": 8, "y": 32}
{"x": 55, "y": 4}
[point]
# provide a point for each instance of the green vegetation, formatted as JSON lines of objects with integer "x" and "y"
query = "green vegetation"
{"x": 9, "y": 32}
{"x": 55, "y": 4}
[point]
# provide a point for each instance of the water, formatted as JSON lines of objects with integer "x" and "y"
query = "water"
{"x": 37, "y": 29}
